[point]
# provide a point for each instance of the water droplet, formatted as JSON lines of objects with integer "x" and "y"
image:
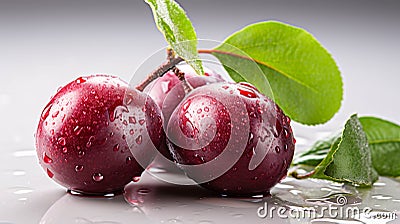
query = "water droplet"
{"x": 247, "y": 92}
{"x": 132, "y": 120}
{"x": 61, "y": 141}
{"x": 111, "y": 134}
{"x": 47, "y": 159}
{"x": 81, "y": 153}
{"x": 199, "y": 111}
{"x": 285, "y": 147}
{"x": 286, "y": 132}
{"x": 248, "y": 85}
{"x": 98, "y": 177}
{"x": 46, "y": 111}
{"x": 55, "y": 114}
{"x": 277, "y": 149}
{"x": 49, "y": 173}
{"x": 65, "y": 150}
{"x": 278, "y": 128}
{"x": 78, "y": 168}
{"x": 78, "y": 130}
{"x": 128, "y": 160}
{"x": 80, "y": 80}
{"x": 174, "y": 221}
{"x": 251, "y": 136}
{"x": 237, "y": 215}
{"x": 206, "y": 109}
{"x": 186, "y": 105}
{"x": 141, "y": 121}
{"x": 128, "y": 100}
{"x": 89, "y": 143}
{"x": 143, "y": 191}
{"x": 116, "y": 148}
{"x": 288, "y": 119}
{"x": 136, "y": 179}
{"x": 103, "y": 141}
{"x": 139, "y": 140}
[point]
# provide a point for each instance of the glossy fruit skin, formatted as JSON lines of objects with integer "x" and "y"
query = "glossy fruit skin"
{"x": 162, "y": 86}
{"x": 82, "y": 137}
{"x": 244, "y": 122}
{"x": 167, "y": 91}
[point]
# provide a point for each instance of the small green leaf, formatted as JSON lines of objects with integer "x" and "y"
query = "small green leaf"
{"x": 172, "y": 21}
{"x": 304, "y": 78}
{"x": 349, "y": 158}
{"x": 384, "y": 142}
{"x": 352, "y": 160}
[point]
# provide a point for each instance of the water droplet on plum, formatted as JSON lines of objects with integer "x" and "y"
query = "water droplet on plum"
{"x": 46, "y": 158}
{"x": 61, "y": 141}
{"x": 49, "y": 173}
{"x": 79, "y": 168}
{"x": 46, "y": 111}
{"x": 116, "y": 148}
{"x": 138, "y": 140}
{"x": 98, "y": 177}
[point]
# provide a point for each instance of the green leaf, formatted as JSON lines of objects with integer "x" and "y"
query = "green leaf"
{"x": 316, "y": 153}
{"x": 384, "y": 142}
{"x": 304, "y": 78}
{"x": 177, "y": 29}
{"x": 349, "y": 158}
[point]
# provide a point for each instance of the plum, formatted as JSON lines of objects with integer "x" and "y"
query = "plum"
{"x": 89, "y": 130}
{"x": 167, "y": 91}
{"x": 232, "y": 139}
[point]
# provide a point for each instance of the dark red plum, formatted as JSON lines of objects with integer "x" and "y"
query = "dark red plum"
{"x": 88, "y": 131}
{"x": 167, "y": 91}
{"x": 231, "y": 139}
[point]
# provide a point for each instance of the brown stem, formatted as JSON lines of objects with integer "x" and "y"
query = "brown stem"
{"x": 302, "y": 176}
{"x": 170, "y": 54}
{"x": 181, "y": 76}
{"x": 160, "y": 71}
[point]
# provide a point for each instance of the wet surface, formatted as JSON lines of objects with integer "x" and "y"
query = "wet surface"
{"x": 29, "y": 196}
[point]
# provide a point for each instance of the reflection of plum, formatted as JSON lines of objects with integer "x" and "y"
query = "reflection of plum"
{"x": 202, "y": 127}
{"x": 91, "y": 210}
{"x": 83, "y": 132}
{"x": 168, "y": 203}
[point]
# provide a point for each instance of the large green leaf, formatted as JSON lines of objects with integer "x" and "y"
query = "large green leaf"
{"x": 304, "y": 78}
{"x": 384, "y": 142}
{"x": 172, "y": 21}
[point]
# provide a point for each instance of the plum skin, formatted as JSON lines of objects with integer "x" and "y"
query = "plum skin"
{"x": 167, "y": 92}
{"x": 81, "y": 141}
{"x": 269, "y": 134}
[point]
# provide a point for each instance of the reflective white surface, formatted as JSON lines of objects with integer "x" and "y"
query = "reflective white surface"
{"x": 46, "y": 44}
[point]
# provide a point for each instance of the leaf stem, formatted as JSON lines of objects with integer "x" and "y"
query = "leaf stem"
{"x": 302, "y": 176}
